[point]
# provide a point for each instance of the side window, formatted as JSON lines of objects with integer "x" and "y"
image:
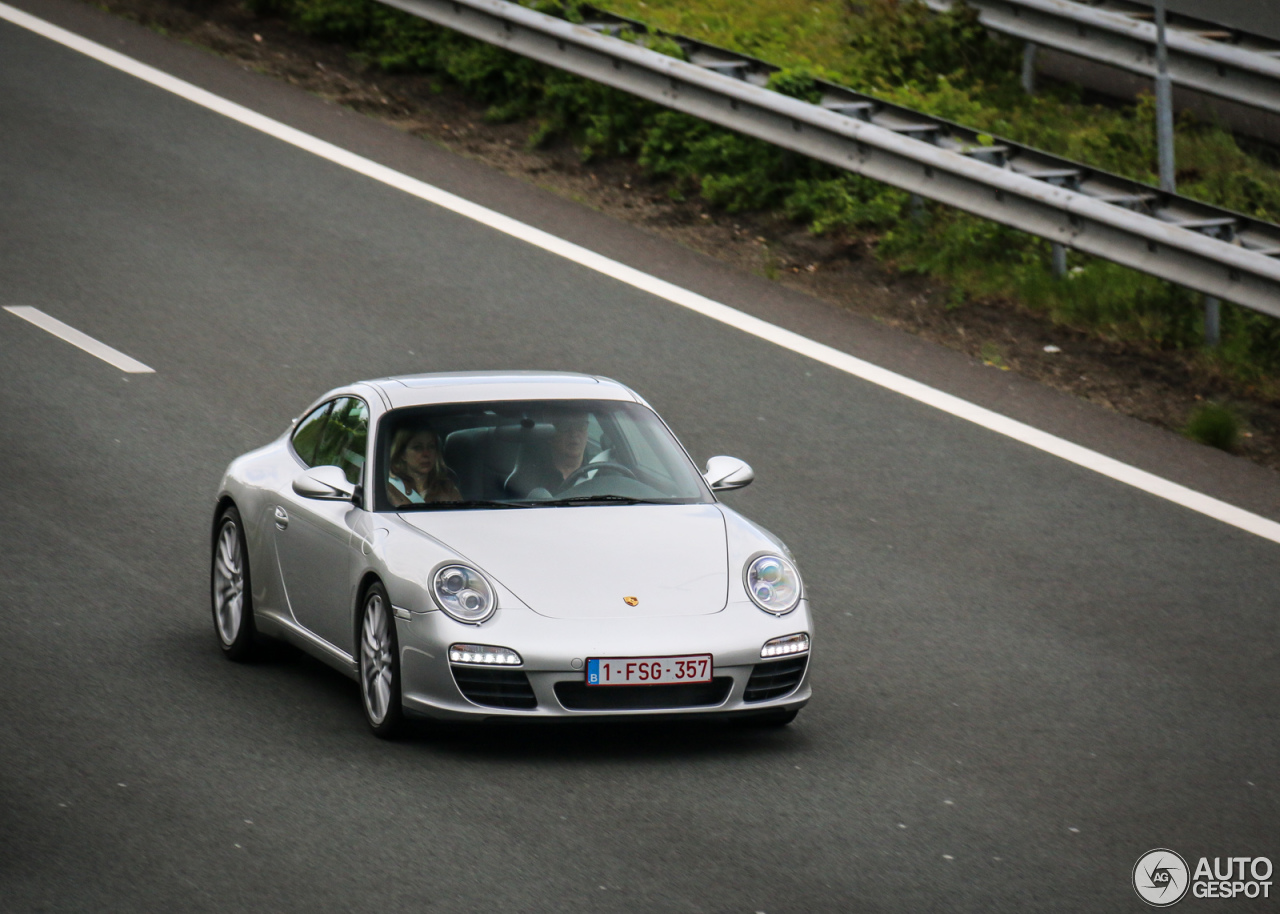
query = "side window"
{"x": 345, "y": 436}
{"x": 307, "y": 435}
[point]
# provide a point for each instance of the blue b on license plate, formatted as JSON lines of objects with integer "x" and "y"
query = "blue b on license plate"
{"x": 607, "y": 671}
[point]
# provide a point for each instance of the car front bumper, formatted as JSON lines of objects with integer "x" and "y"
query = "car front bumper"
{"x": 551, "y": 681}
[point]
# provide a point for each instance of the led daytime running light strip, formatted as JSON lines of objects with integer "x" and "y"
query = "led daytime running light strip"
{"x": 788, "y": 644}
{"x": 484, "y": 653}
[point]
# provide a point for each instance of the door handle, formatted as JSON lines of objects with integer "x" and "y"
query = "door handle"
{"x": 282, "y": 518}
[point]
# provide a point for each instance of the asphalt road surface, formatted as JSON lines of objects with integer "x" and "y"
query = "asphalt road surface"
{"x": 1026, "y": 675}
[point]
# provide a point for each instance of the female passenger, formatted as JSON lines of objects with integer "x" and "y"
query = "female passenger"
{"x": 418, "y": 472}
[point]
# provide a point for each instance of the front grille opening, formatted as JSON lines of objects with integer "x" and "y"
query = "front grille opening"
{"x": 496, "y": 688}
{"x": 578, "y": 696}
{"x": 775, "y": 679}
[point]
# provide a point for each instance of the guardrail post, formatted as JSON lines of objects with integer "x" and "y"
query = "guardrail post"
{"x": 1059, "y": 253}
{"x": 1029, "y": 67}
{"x": 1164, "y": 105}
{"x": 1212, "y": 322}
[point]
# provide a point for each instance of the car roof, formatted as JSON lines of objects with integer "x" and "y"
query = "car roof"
{"x": 477, "y": 386}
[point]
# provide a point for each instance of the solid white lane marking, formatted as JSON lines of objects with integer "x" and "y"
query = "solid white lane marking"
{"x": 1019, "y": 431}
{"x": 76, "y": 338}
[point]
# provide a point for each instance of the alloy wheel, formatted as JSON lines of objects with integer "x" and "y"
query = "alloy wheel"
{"x": 375, "y": 659}
{"x": 228, "y": 583}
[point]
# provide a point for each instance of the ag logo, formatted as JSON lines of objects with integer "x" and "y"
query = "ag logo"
{"x": 1161, "y": 878}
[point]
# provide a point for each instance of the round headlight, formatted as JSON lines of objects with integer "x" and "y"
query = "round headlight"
{"x": 463, "y": 593}
{"x": 773, "y": 584}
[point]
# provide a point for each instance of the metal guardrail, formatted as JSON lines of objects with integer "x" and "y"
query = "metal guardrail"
{"x": 1217, "y": 60}
{"x": 1220, "y": 253}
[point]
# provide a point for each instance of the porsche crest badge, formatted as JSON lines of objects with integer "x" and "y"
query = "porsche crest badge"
{"x": 631, "y": 601}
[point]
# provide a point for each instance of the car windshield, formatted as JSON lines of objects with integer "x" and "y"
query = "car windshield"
{"x": 519, "y": 454}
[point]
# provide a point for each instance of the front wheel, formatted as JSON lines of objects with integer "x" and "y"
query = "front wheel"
{"x": 379, "y": 665}
{"x": 229, "y": 586}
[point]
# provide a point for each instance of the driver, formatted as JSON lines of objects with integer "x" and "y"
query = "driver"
{"x": 568, "y": 447}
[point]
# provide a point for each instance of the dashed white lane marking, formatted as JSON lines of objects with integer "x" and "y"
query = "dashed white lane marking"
{"x": 1019, "y": 431}
{"x": 76, "y": 338}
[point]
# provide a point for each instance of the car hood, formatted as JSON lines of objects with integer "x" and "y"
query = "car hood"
{"x": 581, "y": 562}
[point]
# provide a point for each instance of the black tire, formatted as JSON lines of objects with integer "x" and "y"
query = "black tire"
{"x": 378, "y": 664}
{"x": 230, "y": 592}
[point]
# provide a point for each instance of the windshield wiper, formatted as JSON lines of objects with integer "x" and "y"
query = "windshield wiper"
{"x": 591, "y": 499}
{"x": 464, "y": 503}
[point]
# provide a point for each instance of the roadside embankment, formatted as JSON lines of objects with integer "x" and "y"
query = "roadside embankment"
{"x": 1107, "y": 333}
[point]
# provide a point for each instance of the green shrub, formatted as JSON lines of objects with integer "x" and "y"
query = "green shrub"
{"x": 1215, "y": 425}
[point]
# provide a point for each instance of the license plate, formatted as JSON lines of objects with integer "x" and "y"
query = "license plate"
{"x": 607, "y": 671}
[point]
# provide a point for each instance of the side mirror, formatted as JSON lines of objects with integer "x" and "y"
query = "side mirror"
{"x": 727, "y": 473}
{"x": 324, "y": 482}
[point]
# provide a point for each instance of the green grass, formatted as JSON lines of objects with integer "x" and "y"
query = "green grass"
{"x": 950, "y": 67}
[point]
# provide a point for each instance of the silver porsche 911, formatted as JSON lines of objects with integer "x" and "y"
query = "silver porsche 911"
{"x": 516, "y": 544}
